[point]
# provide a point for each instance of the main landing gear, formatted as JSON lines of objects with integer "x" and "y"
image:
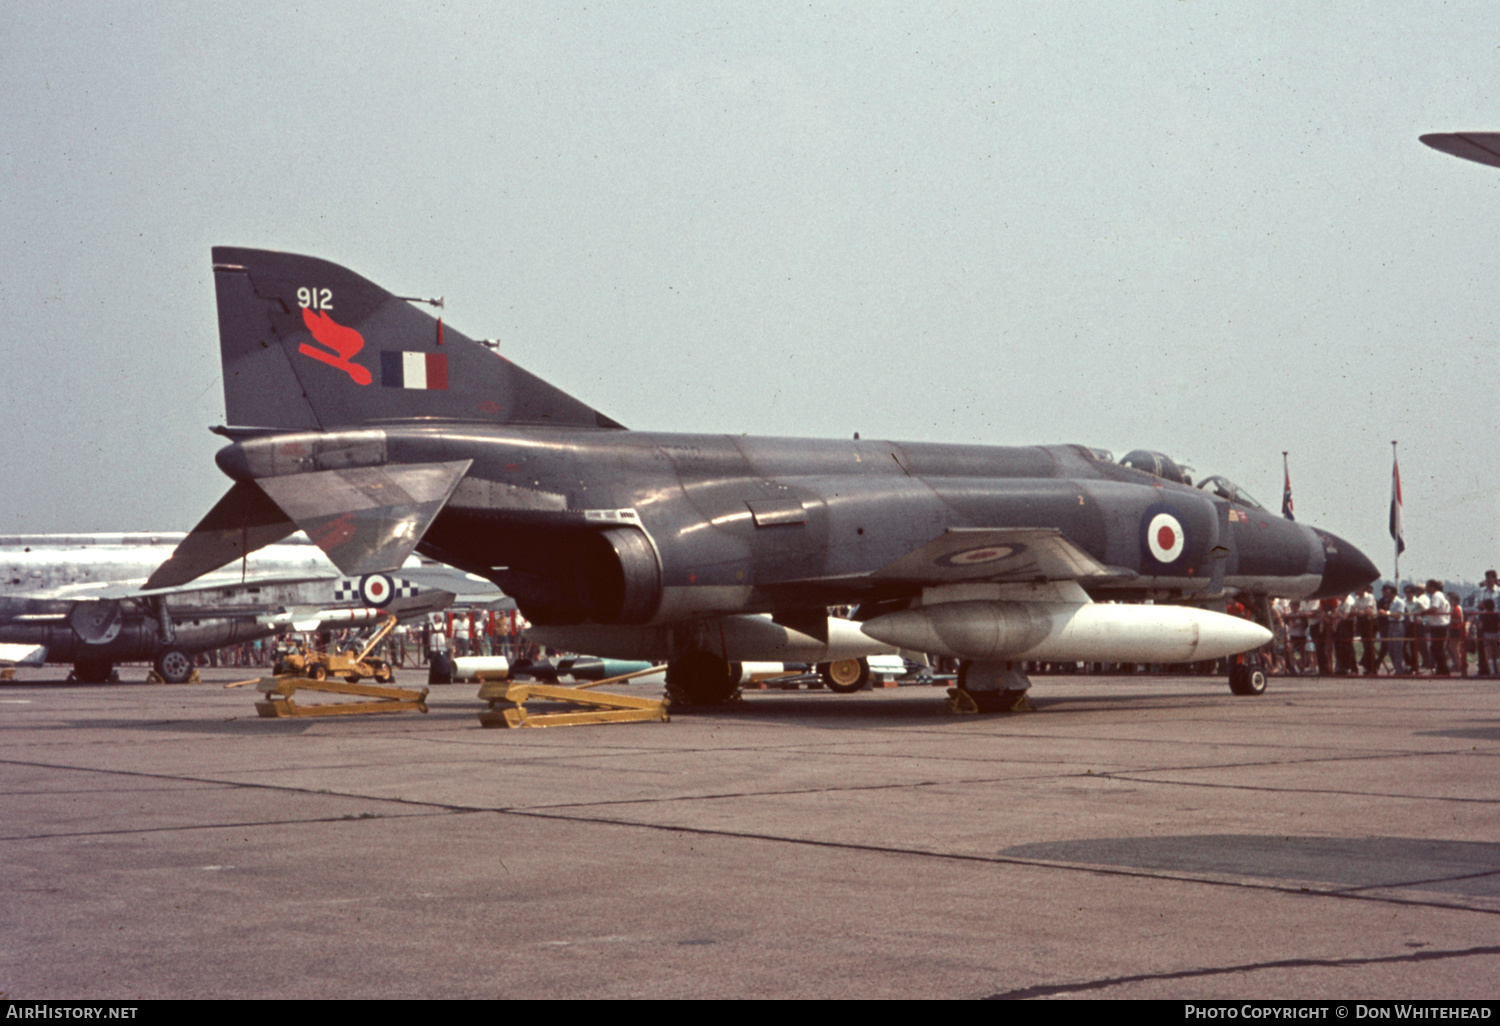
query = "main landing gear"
{"x": 701, "y": 678}
{"x": 93, "y": 671}
{"x": 174, "y": 665}
{"x": 989, "y": 687}
{"x": 845, "y": 676}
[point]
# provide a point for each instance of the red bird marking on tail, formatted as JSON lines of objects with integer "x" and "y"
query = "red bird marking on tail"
{"x": 344, "y": 342}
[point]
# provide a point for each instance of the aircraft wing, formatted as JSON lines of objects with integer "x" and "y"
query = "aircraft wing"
{"x": 1480, "y": 147}
{"x": 975, "y": 554}
{"x": 23, "y": 655}
{"x": 88, "y": 591}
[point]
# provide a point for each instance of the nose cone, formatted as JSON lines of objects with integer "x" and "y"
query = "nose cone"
{"x": 1345, "y": 568}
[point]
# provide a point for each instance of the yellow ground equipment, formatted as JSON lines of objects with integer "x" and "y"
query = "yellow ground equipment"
{"x": 311, "y": 671}
{"x": 279, "y": 701}
{"x": 507, "y": 704}
{"x": 348, "y": 664}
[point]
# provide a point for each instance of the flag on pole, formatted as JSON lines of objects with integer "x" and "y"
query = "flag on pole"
{"x": 1398, "y": 532}
{"x": 1286, "y": 490}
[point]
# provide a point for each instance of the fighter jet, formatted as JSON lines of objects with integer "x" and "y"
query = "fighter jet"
{"x": 361, "y": 419}
{"x": 81, "y": 599}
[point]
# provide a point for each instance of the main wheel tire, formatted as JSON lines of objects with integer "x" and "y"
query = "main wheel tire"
{"x": 1245, "y": 679}
{"x": 990, "y": 700}
{"x": 93, "y": 671}
{"x": 701, "y": 678}
{"x": 317, "y": 672}
{"x": 1000, "y": 701}
{"x": 174, "y": 665}
{"x": 845, "y": 676}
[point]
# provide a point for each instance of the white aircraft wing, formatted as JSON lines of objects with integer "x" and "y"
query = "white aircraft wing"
{"x": 86, "y": 591}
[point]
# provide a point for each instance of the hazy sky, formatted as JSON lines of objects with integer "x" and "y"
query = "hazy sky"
{"x": 1207, "y": 229}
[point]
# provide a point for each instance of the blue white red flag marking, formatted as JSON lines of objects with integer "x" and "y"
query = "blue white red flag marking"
{"x": 414, "y": 370}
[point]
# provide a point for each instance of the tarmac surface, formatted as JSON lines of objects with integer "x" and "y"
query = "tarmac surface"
{"x": 1132, "y": 837}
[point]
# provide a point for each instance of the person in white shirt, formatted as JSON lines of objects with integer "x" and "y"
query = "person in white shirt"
{"x": 1364, "y": 626}
{"x": 1419, "y": 656}
{"x": 1437, "y": 626}
{"x": 1394, "y": 627}
{"x": 1487, "y": 623}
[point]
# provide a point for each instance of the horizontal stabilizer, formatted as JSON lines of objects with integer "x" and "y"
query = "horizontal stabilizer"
{"x": 367, "y": 519}
{"x": 244, "y": 520}
{"x": 995, "y": 554}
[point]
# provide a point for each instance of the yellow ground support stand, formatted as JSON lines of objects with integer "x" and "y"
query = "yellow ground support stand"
{"x": 507, "y": 706}
{"x": 152, "y": 677}
{"x": 279, "y": 701}
{"x": 507, "y": 701}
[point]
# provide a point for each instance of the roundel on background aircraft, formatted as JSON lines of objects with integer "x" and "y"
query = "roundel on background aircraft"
{"x": 1164, "y": 540}
{"x": 376, "y": 589}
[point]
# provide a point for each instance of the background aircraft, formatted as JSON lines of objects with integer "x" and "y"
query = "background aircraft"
{"x": 1481, "y": 147}
{"x": 361, "y": 420}
{"x": 81, "y": 599}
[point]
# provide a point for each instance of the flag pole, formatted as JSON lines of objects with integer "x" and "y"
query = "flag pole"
{"x": 1286, "y": 489}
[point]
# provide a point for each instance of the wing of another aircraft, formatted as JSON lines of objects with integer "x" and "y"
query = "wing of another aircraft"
{"x": 87, "y": 591}
{"x": 22, "y": 655}
{"x": 1480, "y": 147}
{"x": 967, "y": 554}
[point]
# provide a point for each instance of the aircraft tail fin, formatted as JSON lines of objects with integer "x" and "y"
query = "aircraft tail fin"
{"x": 309, "y": 345}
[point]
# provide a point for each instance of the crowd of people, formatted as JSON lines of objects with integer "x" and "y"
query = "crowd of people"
{"x": 1416, "y": 629}
{"x": 451, "y": 633}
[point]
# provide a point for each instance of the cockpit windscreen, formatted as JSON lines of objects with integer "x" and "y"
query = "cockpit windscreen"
{"x": 1227, "y": 489}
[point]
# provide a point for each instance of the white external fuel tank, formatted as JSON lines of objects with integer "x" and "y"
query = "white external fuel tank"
{"x": 1061, "y": 631}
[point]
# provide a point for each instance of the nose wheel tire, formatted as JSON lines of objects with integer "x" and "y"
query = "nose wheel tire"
{"x": 1247, "y": 680}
